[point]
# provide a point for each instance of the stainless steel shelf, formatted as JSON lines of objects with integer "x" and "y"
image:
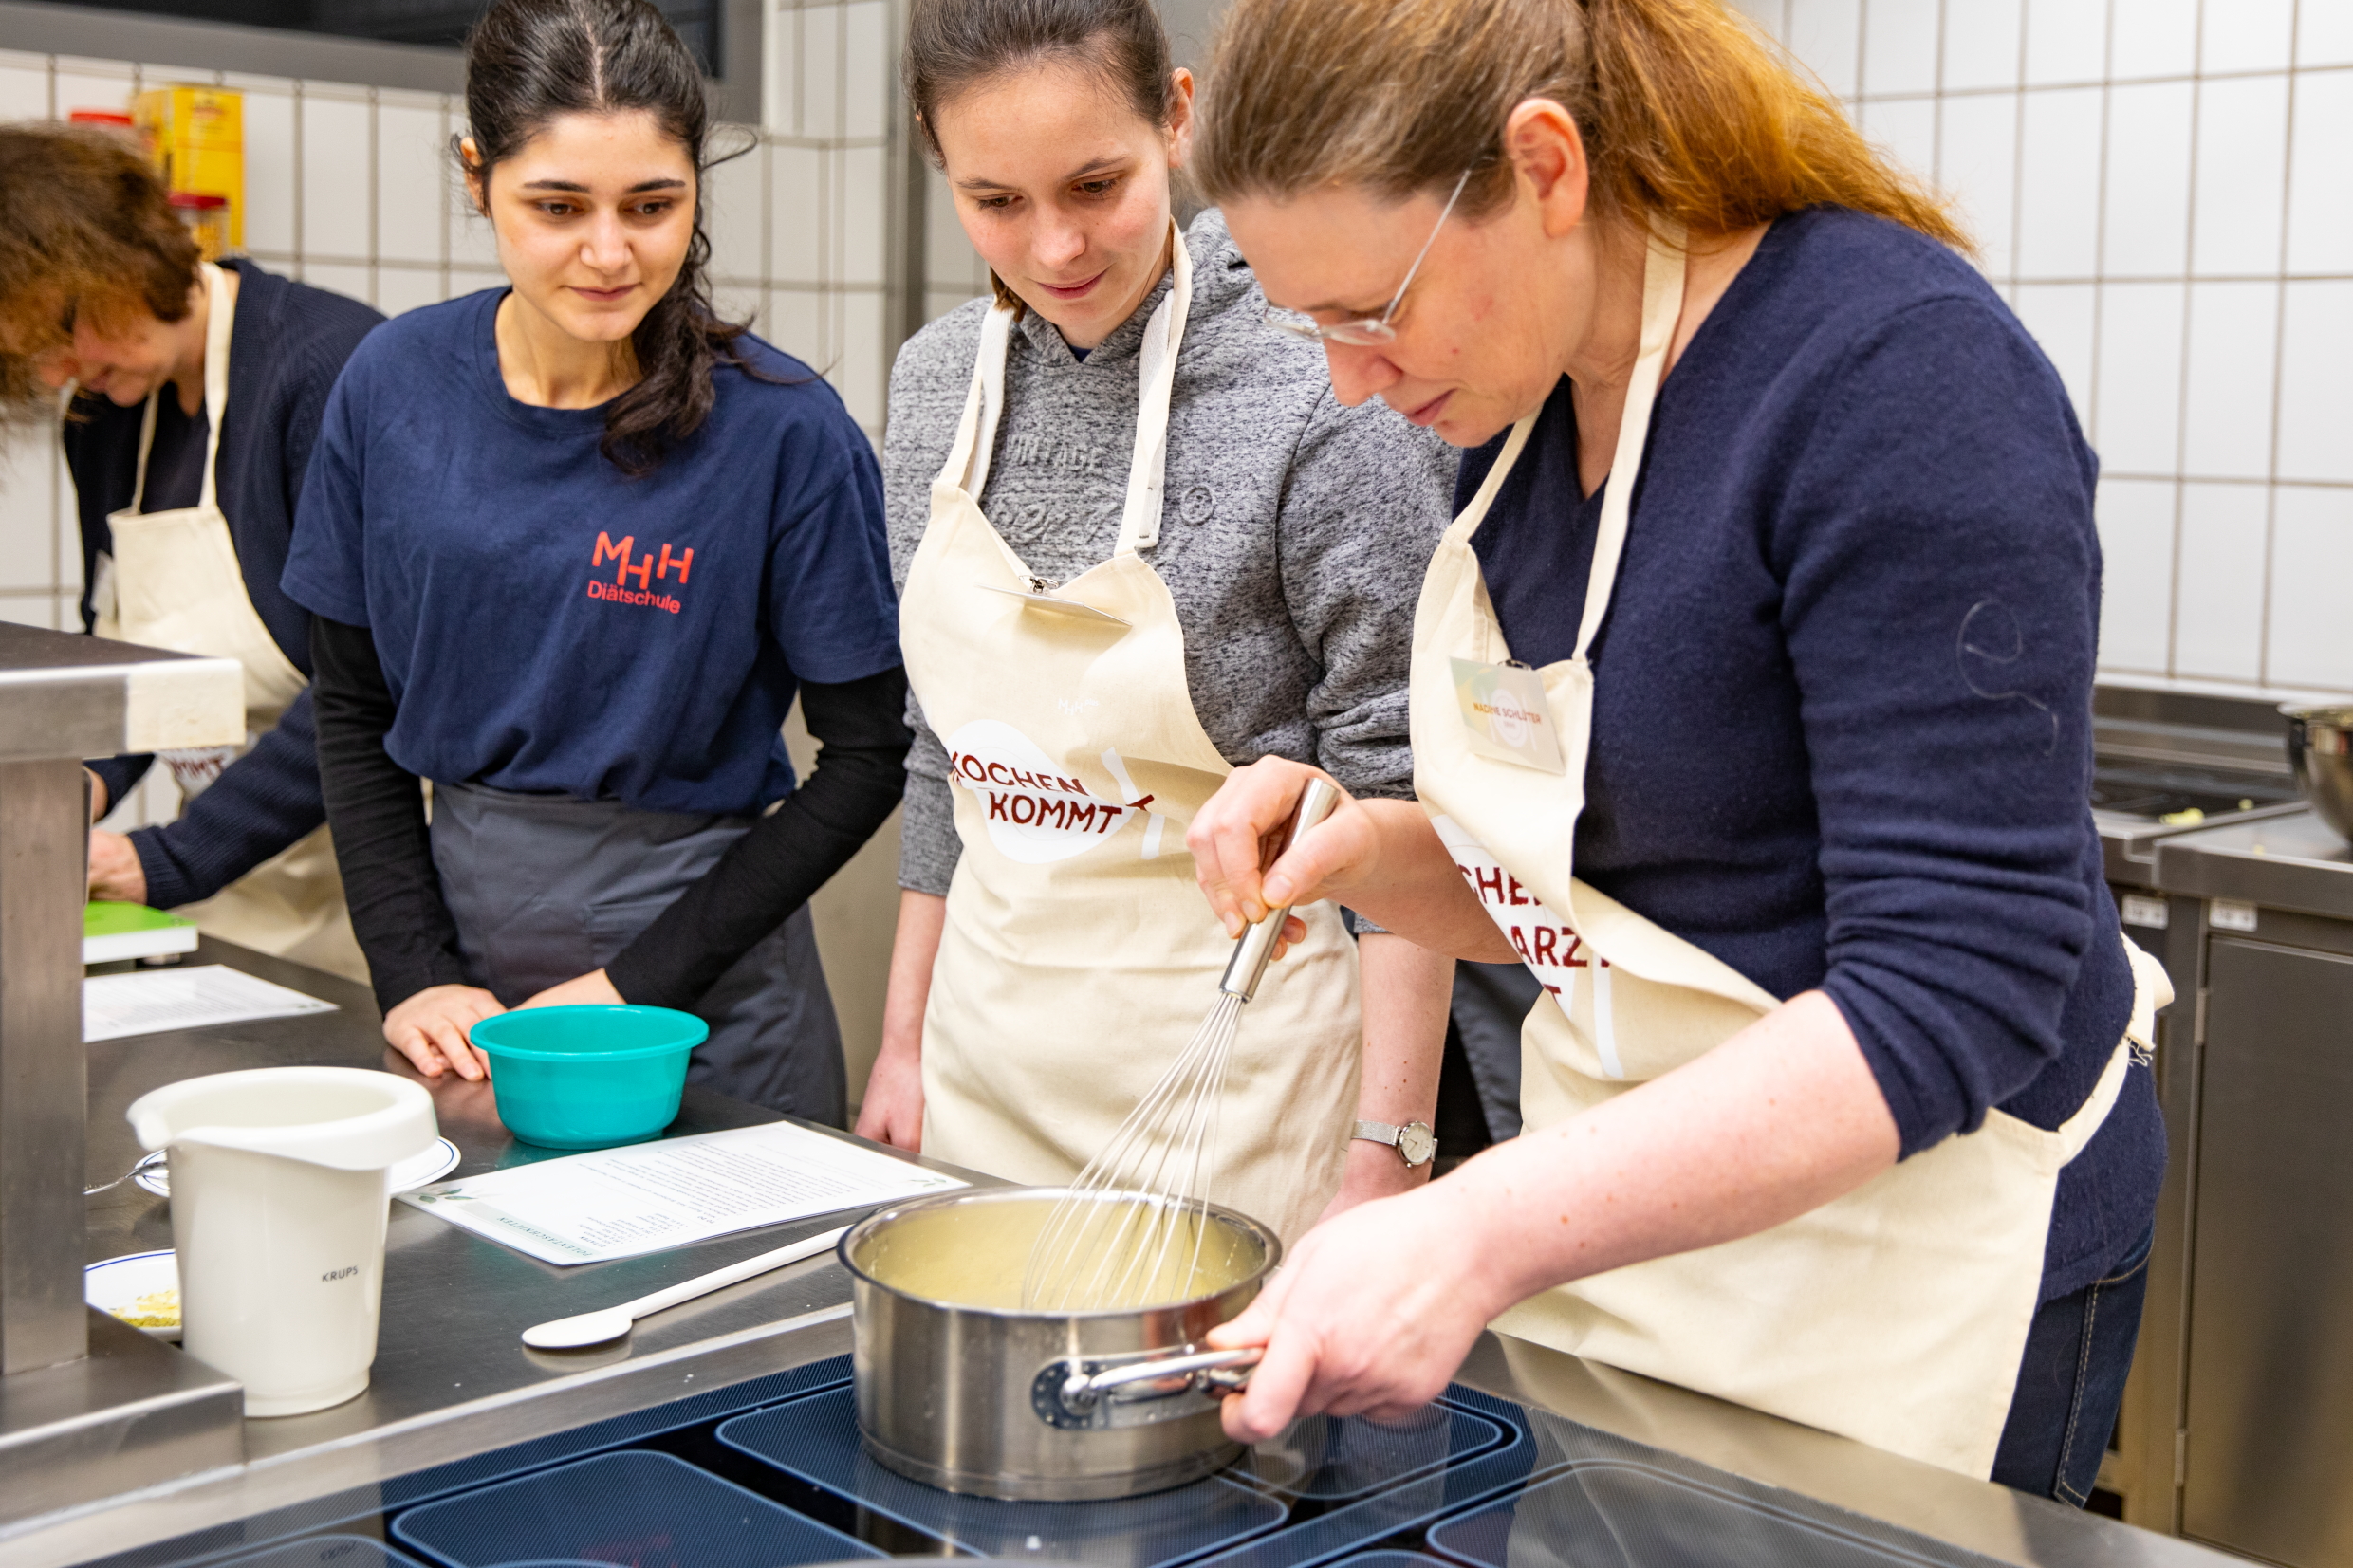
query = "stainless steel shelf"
{"x": 2289, "y": 862}
{"x": 64, "y": 697}
{"x": 81, "y": 1408}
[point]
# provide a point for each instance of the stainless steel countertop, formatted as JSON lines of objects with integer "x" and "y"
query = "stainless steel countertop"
{"x": 2290, "y": 862}
{"x": 2129, "y": 844}
{"x": 451, "y": 1378}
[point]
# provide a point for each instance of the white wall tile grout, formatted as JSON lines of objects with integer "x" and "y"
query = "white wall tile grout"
{"x": 2181, "y": 415}
{"x": 2279, "y": 335}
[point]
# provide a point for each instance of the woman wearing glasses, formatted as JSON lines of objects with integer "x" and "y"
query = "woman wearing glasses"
{"x": 1751, "y": 711}
{"x": 1130, "y": 523}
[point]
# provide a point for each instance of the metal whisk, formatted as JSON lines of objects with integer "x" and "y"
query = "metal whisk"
{"x": 1129, "y": 1229}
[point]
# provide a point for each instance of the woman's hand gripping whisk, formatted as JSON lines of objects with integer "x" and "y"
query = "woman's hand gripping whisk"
{"x": 1250, "y": 856}
{"x": 1130, "y": 1230}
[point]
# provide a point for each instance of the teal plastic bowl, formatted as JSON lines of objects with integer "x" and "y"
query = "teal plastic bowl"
{"x": 589, "y": 1077}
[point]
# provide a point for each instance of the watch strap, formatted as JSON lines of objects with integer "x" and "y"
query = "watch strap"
{"x": 1413, "y": 1138}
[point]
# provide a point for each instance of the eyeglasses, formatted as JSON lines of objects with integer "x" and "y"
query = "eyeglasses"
{"x": 1366, "y": 332}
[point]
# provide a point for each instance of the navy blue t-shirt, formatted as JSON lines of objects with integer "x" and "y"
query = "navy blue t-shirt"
{"x": 1841, "y": 729}
{"x": 549, "y": 625}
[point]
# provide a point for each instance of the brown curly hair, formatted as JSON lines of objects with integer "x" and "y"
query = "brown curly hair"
{"x": 85, "y": 231}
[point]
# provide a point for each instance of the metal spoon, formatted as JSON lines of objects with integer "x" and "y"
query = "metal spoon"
{"x": 145, "y": 1162}
{"x": 594, "y": 1328}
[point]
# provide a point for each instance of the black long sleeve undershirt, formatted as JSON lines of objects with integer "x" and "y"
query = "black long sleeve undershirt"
{"x": 396, "y": 911}
{"x": 861, "y": 736}
{"x": 377, "y": 812}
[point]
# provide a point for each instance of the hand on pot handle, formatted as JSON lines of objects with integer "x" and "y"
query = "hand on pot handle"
{"x": 1370, "y": 1315}
{"x": 1226, "y": 1370}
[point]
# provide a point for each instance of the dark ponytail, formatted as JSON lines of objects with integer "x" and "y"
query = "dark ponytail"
{"x": 952, "y": 44}
{"x": 528, "y": 60}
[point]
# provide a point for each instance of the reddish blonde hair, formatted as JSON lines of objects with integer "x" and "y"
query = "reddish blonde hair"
{"x": 85, "y": 231}
{"x": 1684, "y": 108}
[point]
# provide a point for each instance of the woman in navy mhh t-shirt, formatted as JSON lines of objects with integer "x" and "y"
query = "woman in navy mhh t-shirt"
{"x": 574, "y": 547}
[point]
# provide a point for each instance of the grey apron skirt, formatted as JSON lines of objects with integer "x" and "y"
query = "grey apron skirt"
{"x": 545, "y": 888}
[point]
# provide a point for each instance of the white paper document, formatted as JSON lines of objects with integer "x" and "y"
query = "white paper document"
{"x": 114, "y": 1005}
{"x": 649, "y": 1197}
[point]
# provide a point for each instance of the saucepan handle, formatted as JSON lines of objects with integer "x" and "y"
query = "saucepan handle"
{"x": 1092, "y": 1391}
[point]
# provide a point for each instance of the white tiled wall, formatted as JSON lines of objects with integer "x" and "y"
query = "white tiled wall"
{"x": 2160, "y": 189}
{"x": 353, "y": 189}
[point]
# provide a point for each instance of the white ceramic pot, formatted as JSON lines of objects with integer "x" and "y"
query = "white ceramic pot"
{"x": 278, "y": 1212}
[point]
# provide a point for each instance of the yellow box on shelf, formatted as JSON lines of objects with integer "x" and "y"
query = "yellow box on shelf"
{"x": 112, "y": 932}
{"x": 197, "y": 137}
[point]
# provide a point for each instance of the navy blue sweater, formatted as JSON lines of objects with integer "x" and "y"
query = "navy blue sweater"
{"x": 1841, "y": 732}
{"x": 288, "y": 344}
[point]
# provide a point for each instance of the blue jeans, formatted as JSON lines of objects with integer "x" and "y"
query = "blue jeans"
{"x": 2070, "y": 1383}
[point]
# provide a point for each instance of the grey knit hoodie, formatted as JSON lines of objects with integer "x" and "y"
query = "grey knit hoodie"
{"x": 1294, "y": 539}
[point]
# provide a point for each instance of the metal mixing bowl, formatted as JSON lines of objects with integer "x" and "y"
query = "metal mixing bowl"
{"x": 2320, "y": 749}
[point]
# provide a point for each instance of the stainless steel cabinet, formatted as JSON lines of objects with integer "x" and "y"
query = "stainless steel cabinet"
{"x": 2268, "y": 1466}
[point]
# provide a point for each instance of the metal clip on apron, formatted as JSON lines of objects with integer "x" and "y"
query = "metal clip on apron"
{"x": 173, "y": 581}
{"x": 1078, "y": 955}
{"x": 1896, "y": 1314}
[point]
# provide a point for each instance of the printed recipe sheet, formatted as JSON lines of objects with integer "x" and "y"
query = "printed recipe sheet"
{"x": 115, "y": 1007}
{"x": 649, "y": 1197}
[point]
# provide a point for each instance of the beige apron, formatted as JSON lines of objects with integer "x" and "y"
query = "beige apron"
{"x": 1077, "y": 957}
{"x": 1897, "y": 1314}
{"x": 173, "y": 581}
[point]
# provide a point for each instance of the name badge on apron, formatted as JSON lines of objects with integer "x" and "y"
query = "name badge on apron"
{"x": 1504, "y": 708}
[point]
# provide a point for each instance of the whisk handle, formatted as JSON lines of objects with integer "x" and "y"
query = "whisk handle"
{"x": 1256, "y": 945}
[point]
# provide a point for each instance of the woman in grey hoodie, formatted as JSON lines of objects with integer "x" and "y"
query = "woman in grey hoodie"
{"x": 1126, "y": 520}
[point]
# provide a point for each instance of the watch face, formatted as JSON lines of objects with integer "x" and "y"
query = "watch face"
{"x": 1416, "y": 1142}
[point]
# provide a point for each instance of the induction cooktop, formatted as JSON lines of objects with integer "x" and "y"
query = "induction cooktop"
{"x": 769, "y": 1474}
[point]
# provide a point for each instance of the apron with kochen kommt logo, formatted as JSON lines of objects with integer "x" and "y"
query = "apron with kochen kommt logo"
{"x": 1077, "y": 957}
{"x": 172, "y": 580}
{"x": 1897, "y": 1314}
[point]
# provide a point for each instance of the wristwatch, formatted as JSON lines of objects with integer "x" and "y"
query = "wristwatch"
{"x": 1414, "y": 1143}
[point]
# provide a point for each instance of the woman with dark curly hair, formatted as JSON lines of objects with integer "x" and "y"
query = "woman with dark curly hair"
{"x": 573, "y": 545}
{"x": 196, "y": 396}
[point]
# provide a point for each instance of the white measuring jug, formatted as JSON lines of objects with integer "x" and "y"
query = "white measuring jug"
{"x": 278, "y": 1213}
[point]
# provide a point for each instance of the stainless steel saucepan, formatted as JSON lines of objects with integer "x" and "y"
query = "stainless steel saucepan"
{"x": 959, "y": 1386}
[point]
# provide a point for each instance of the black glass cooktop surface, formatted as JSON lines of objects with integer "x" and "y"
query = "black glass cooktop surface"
{"x": 769, "y": 1474}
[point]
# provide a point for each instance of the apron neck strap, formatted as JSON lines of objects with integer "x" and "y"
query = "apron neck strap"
{"x": 220, "y": 318}
{"x": 966, "y": 467}
{"x": 1662, "y": 307}
{"x": 1140, "y": 520}
{"x": 1468, "y": 522}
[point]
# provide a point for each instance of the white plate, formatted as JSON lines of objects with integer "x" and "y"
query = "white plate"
{"x": 429, "y": 1165}
{"x": 119, "y": 1282}
{"x": 419, "y": 1169}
